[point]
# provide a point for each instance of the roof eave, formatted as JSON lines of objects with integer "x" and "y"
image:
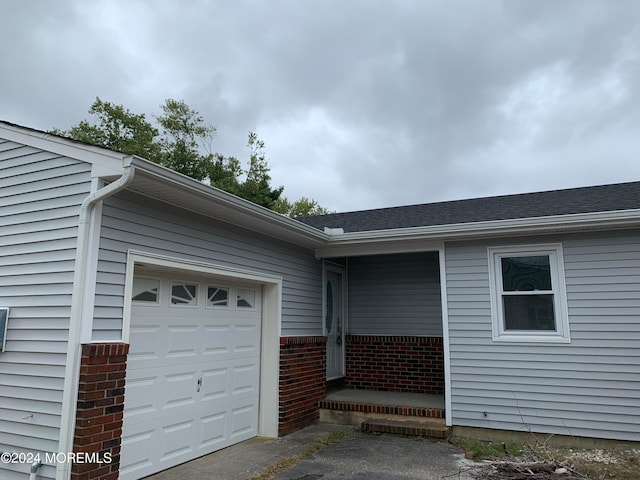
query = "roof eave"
{"x": 432, "y": 237}
{"x": 105, "y": 162}
{"x": 212, "y": 202}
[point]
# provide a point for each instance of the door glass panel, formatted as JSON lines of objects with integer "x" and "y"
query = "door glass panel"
{"x": 329, "y": 319}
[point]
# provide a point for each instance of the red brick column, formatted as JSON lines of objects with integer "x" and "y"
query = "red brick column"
{"x": 100, "y": 410}
{"x": 302, "y": 381}
{"x": 395, "y": 363}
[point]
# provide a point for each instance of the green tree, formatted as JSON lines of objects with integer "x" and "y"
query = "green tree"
{"x": 118, "y": 129}
{"x": 257, "y": 186}
{"x": 184, "y": 133}
{"x": 304, "y": 207}
{"x": 184, "y": 143}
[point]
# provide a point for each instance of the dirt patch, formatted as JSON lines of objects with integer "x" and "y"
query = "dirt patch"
{"x": 501, "y": 461}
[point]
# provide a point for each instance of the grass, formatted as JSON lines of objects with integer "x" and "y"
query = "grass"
{"x": 478, "y": 450}
{"x": 589, "y": 464}
{"x": 286, "y": 463}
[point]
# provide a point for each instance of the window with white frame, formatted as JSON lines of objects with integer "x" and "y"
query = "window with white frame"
{"x": 528, "y": 299}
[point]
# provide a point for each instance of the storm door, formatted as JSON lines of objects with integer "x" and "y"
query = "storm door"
{"x": 334, "y": 324}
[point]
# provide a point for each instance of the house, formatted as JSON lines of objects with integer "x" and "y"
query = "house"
{"x": 151, "y": 319}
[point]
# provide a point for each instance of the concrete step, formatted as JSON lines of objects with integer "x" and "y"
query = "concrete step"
{"x": 406, "y": 427}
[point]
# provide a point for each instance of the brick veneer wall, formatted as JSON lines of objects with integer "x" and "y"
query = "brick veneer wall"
{"x": 395, "y": 363}
{"x": 100, "y": 409}
{"x": 302, "y": 381}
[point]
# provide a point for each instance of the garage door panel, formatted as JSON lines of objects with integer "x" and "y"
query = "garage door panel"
{"x": 245, "y": 337}
{"x": 177, "y": 439}
{"x": 245, "y": 378}
{"x": 192, "y": 385}
{"x": 180, "y": 342}
{"x": 144, "y": 342}
{"x": 180, "y": 389}
{"x": 212, "y": 432}
{"x": 242, "y": 421}
{"x": 214, "y": 383}
{"x": 215, "y": 339}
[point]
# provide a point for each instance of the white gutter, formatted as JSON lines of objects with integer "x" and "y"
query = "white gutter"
{"x": 228, "y": 207}
{"x": 344, "y": 244}
{"x": 72, "y": 370}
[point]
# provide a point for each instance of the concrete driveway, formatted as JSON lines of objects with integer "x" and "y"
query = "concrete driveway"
{"x": 356, "y": 456}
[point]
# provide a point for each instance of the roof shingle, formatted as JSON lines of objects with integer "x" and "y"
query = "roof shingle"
{"x": 602, "y": 198}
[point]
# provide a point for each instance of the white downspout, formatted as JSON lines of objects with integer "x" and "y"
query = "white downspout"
{"x": 72, "y": 370}
{"x": 33, "y": 471}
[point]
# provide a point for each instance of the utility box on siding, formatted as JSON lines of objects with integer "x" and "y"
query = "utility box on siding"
{"x": 4, "y": 319}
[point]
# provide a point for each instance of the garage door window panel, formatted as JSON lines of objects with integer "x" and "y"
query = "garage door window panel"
{"x": 146, "y": 290}
{"x": 184, "y": 294}
{"x": 217, "y": 297}
{"x": 246, "y": 298}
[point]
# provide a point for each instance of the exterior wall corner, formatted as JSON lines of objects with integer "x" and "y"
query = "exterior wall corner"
{"x": 302, "y": 381}
{"x": 100, "y": 410}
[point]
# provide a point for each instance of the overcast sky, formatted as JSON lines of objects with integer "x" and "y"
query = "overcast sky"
{"x": 361, "y": 104}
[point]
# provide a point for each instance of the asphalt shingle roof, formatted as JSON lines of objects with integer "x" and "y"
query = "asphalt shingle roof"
{"x": 602, "y": 198}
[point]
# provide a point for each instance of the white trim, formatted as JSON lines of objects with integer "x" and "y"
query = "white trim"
{"x": 445, "y": 337}
{"x": 105, "y": 162}
{"x": 337, "y": 247}
{"x": 423, "y": 238}
{"x": 187, "y": 193}
{"x": 271, "y": 321}
{"x": 561, "y": 333}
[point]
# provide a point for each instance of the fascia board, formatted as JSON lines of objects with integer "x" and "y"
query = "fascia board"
{"x": 106, "y": 163}
{"x": 372, "y": 247}
{"x": 230, "y": 208}
{"x": 350, "y": 243}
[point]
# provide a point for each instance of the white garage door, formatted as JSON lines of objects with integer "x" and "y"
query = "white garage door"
{"x": 193, "y": 371}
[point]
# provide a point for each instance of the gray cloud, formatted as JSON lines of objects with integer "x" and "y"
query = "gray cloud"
{"x": 361, "y": 104}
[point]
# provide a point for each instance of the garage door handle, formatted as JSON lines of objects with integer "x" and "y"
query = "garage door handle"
{"x": 199, "y": 383}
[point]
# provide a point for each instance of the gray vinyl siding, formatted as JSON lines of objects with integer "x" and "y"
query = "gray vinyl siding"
{"x": 40, "y": 196}
{"x": 133, "y": 222}
{"x": 590, "y": 387}
{"x": 394, "y": 295}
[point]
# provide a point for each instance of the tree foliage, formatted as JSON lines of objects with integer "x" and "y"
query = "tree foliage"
{"x": 183, "y": 134}
{"x": 118, "y": 129}
{"x": 183, "y": 142}
{"x": 304, "y": 207}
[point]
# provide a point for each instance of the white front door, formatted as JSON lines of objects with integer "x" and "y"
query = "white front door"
{"x": 334, "y": 320}
{"x": 193, "y": 371}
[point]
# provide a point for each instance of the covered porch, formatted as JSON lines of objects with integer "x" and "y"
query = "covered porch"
{"x": 385, "y": 350}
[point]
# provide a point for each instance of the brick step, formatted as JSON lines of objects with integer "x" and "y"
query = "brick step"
{"x": 408, "y": 428}
{"x": 355, "y": 413}
{"x": 360, "y": 407}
